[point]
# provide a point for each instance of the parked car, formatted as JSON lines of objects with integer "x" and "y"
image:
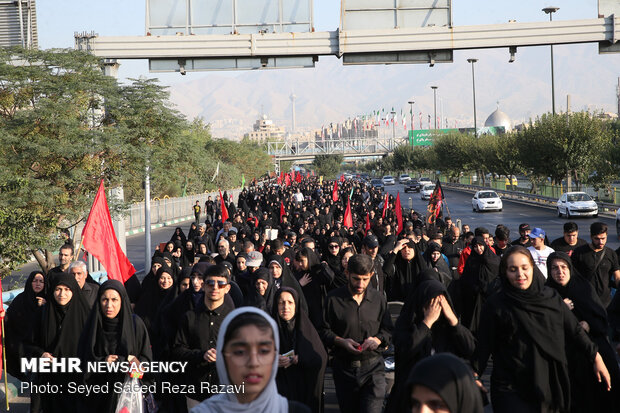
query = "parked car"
{"x": 388, "y": 180}
{"x": 412, "y": 185}
{"x": 377, "y": 184}
{"x": 404, "y": 178}
{"x": 577, "y": 204}
{"x": 427, "y": 191}
{"x": 485, "y": 201}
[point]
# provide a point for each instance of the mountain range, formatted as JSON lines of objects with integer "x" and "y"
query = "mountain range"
{"x": 331, "y": 92}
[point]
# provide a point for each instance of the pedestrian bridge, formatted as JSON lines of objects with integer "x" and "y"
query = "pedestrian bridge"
{"x": 304, "y": 152}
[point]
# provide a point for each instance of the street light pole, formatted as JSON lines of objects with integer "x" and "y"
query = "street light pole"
{"x": 550, "y": 11}
{"x": 393, "y": 113}
{"x": 473, "y": 82}
{"x": 435, "y": 103}
{"x": 411, "y": 102}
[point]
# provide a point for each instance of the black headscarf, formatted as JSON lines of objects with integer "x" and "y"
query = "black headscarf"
{"x": 180, "y": 237}
{"x": 61, "y": 325}
{"x": 451, "y": 379}
{"x": 538, "y": 311}
{"x": 20, "y": 318}
{"x": 441, "y": 266}
{"x": 588, "y": 305}
{"x": 299, "y": 382}
{"x": 153, "y": 297}
{"x": 477, "y": 282}
{"x": 104, "y": 336}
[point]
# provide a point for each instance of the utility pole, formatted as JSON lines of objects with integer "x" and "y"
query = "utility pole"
{"x": 435, "y": 103}
{"x": 550, "y": 11}
{"x": 473, "y": 82}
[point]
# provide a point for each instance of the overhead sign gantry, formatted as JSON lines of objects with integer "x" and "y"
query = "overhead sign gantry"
{"x": 187, "y": 35}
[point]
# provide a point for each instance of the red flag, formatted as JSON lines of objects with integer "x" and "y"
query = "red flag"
{"x": 313, "y": 172}
{"x": 385, "y": 206}
{"x": 287, "y": 180}
{"x": 435, "y": 203}
{"x": 279, "y": 180}
{"x": 223, "y": 207}
{"x": 367, "y": 224}
{"x": 335, "y": 192}
{"x": 341, "y": 178}
{"x": 399, "y": 213}
{"x": 298, "y": 177}
{"x": 99, "y": 239}
{"x": 282, "y": 211}
{"x": 348, "y": 218}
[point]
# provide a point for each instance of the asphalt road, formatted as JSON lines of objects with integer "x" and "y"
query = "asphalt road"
{"x": 512, "y": 215}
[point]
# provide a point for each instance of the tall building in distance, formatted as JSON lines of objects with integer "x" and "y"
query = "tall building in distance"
{"x": 264, "y": 129}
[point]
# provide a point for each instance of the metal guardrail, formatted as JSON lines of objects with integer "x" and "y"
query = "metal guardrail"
{"x": 535, "y": 199}
{"x": 165, "y": 210}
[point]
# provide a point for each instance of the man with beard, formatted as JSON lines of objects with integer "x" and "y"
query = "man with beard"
{"x": 65, "y": 256}
{"x": 524, "y": 236}
{"x": 357, "y": 325}
{"x": 452, "y": 248}
{"x": 598, "y": 263}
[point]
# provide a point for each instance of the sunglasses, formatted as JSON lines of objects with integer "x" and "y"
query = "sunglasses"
{"x": 334, "y": 246}
{"x": 221, "y": 284}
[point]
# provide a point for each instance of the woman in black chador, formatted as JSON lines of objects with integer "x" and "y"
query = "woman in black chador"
{"x": 525, "y": 327}
{"x": 585, "y": 304}
{"x": 300, "y": 374}
{"x": 20, "y": 317}
{"x": 56, "y": 335}
{"x": 426, "y": 325}
{"x": 114, "y": 335}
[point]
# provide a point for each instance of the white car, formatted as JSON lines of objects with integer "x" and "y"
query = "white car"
{"x": 404, "y": 178}
{"x": 577, "y": 204}
{"x": 427, "y": 191}
{"x": 486, "y": 201}
{"x": 424, "y": 181}
{"x": 388, "y": 180}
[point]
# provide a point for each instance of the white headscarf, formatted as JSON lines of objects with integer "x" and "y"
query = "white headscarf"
{"x": 268, "y": 401}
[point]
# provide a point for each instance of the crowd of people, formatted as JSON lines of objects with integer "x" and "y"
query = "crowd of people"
{"x": 312, "y": 274}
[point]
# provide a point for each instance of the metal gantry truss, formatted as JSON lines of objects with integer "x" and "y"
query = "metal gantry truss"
{"x": 349, "y": 148}
{"x": 604, "y": 30}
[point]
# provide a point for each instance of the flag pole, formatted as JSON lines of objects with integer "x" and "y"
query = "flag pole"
{"x": 6, "y": 383}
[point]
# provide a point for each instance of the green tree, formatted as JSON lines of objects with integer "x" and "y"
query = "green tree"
{"x": 57, "y": 145}
{"x": 327, "y": 165}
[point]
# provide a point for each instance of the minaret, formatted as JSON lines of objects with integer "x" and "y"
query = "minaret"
{"x": 293, "y": 97}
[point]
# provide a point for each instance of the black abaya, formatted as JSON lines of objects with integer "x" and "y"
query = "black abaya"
{"x": 303, "y": 381}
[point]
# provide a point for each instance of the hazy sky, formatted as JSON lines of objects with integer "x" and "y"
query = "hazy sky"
{"x": 59, "y": 19}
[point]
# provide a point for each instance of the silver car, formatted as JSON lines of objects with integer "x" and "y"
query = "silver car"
{"x": 427, "y": 191}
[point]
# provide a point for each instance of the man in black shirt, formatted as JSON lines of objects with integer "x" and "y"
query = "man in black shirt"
{"x": 358, "y": 326}
{"x": 598, "y": 263}
{"x": 196, "y": 338}
{"x": 452, "y": 247}
{"x": 65, "y": 256}
{"x": 570, "y": 240}
{"x": 209, "y": 208}
{"x": 524, "y": 236}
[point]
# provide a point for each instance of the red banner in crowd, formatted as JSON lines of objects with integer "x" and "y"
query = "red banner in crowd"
{"x": 99, "y": 239}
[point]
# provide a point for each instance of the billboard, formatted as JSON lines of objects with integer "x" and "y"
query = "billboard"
{"x": 390, "y": 15}
{"x": 425, "y": 137}
{"x": 190, "y": 17}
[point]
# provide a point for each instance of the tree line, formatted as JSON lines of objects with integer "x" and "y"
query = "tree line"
{"x": 548, "y": 149}
{"x": 64, "y": 126}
